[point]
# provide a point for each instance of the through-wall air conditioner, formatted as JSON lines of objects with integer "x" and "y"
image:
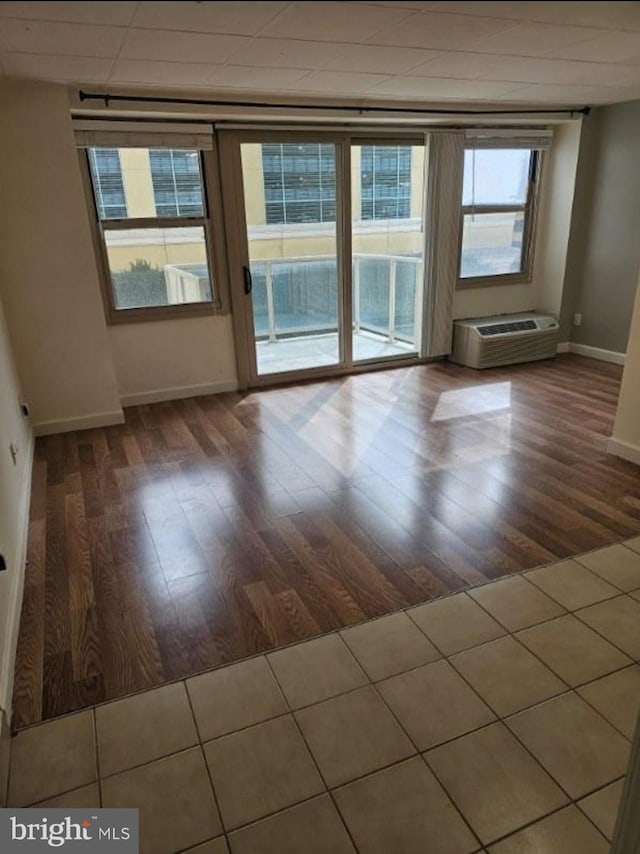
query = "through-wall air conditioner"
{"x": 487, "y": 342}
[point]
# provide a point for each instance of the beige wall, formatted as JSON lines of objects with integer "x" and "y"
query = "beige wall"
{"x": 14, "y": 507}
{"x": 49, "y": 281}
{"x": 625, "y": 441}
{"x": 173, "y": 358}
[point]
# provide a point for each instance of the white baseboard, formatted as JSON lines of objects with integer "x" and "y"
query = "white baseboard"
{"x": 596, "y": 353}
{"x": 563, "y": 347}
{"x": 83, "y": 422}
{"x": 624, "y": 450}
{"x": 8, "y": 663}
{"x": 177, "y": 393}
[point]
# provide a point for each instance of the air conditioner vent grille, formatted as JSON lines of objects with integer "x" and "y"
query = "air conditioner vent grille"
{"x": 500, "y": 328}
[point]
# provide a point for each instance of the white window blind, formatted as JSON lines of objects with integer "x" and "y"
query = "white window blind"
{"x": 142, "y": 135}
{"x": 508, "y": 138}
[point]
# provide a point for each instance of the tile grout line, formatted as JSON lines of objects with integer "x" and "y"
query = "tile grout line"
{"x": 420, "y": 754}
{"x": 200, "y": 745}
{"x": 313, "y": 758}
{"x": 97, "y": 754}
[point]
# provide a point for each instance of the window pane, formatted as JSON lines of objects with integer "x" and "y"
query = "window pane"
{"x": 158, "y": 266}
{"x": 495, "y": 176}
{"x": 385, "y": 172}
{"x": 299, "y": 183}
{"x": 106, "y": 174}
{"x": 141, "y": 182}
{"x": 492, "y": 244}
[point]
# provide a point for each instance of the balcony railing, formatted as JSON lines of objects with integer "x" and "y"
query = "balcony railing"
{"x": 294, "y": 297}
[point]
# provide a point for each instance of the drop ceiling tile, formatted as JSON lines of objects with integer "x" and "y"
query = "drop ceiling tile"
{"x": 161, "y": 73}
{"x": 344, "y": 22}
{"x": 514, "y": 11}
{"x": 614, "y": 16}
{"x": 611, "y": 16}
{"x": 57, "y": 39}
{"x": 286, "y": 53}
{"x": 246, "y": 77}
{"x": 429, "y": 88}
{"x": 408, "y": 4}
{"x": 89, "y": 69}
{"x": 558, "y": 71}
{"x": 245, "y": 18}
{"x": 341, "y": 83}
{"x": 178, "y": 47}
{"x": 608, "y": 47}
{"x": 571, "y": 95}
{"x": 440, "y": 31}
{"x": 534, "y": 39}
{"x": 119, "y": 14}
{"x": 462, "y": 65}
{"x": 379, "y": 59}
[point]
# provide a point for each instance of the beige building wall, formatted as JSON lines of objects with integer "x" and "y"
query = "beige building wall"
{"x": 136, "y": 179}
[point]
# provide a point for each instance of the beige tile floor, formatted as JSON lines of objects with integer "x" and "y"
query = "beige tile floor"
{"x": 497, "y": 720}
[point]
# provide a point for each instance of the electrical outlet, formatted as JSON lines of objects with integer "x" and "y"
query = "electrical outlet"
{"x": 13, "y": 450}
{"x": 577, "y": 319}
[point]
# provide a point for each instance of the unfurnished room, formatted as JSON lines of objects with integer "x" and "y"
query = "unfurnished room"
{"x": 320, "y": 427}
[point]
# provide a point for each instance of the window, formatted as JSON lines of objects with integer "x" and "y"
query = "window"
{"x": 497, "y": 212}
{"x": 299, "y": 183}
{"x": 106, "y": 173}
{"x": 385, "y": 181}
{"x": 154, "y": 225}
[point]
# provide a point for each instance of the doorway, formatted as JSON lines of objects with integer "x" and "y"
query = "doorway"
{"x": 328, "y": 256}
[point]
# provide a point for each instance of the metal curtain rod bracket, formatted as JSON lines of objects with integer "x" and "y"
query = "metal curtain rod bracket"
{"x": 158, "y": 99}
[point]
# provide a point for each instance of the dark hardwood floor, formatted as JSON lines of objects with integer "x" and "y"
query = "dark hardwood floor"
{"x": 205, "y": 530}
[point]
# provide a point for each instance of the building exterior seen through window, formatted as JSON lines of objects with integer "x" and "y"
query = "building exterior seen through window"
{"x": 175, "y": 175}
{"x": 385, "y": 181}
{"x": 300, "y": 182}
{"x": 106, "y": 173}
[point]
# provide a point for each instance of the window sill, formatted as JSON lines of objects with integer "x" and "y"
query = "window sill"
{"x": 493, "y": 281}
{"x": 162, "y": 312}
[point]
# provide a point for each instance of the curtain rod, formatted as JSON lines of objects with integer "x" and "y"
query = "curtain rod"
{"x": 158, "y": 99}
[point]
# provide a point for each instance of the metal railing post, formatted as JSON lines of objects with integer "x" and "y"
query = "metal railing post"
{"x": 417, "y": 306}
{"x": 356, "y": 294}
{"x": 271, "y": 314}
{"x": 393, "y": 269}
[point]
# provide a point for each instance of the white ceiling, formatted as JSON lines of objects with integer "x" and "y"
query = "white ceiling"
{"x": 567, "y": 53}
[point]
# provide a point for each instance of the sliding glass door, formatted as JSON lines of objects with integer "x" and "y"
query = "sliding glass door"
{"x": 290, "y": 209}
{"x": 387, "y": 246}
{"x": 332, "y": 251}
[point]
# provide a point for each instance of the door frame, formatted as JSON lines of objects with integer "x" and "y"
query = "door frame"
{"x": 232, "y": 188}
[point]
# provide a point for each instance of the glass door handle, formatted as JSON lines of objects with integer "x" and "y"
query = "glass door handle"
{"x": 248, "y": 281}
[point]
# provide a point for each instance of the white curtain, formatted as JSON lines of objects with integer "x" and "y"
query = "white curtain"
{"x": 444, "y": 193}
